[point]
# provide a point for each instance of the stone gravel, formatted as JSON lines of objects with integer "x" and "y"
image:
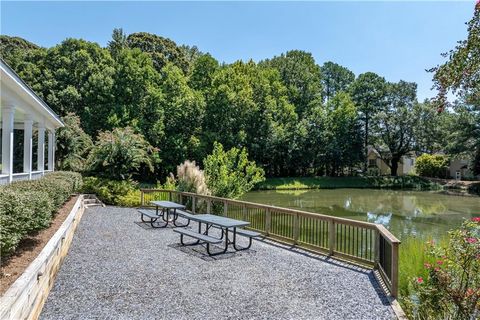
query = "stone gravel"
{"x": 119, "y": 268}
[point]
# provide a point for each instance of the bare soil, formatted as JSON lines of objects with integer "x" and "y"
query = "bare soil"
{"x": 12, "y": 267}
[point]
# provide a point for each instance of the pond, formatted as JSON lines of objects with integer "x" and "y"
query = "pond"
{"x": 421, "y": 214}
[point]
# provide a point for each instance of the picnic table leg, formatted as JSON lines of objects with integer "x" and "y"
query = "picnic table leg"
{"x": 226, "y": 244}
{"x": 235, "y": 241}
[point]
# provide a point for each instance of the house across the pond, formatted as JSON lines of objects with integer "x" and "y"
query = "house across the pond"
{"x": 378, "y": 166}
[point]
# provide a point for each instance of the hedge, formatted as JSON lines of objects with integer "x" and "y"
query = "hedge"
{"x": 29, "y": 206}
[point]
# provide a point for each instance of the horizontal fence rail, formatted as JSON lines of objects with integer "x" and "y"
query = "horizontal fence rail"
{"x": 365, "y": 243}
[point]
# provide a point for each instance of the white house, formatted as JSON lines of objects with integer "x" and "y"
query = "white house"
{"x": 22, "y": 109}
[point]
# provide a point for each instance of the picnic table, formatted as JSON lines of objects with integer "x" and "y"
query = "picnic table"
{"x": 166, "y": 211}
{"x": 225, "y": 224}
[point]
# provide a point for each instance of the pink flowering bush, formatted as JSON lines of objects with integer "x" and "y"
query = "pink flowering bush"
{"x": 452, "y": 288}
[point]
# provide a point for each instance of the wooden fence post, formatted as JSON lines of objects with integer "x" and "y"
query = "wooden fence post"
{"x": 331, "y": 237}
{"x": 268, "y": 221}
{"x": 209, "y": 205}
{"x": 394, "y": 275}
{"x": 244, "y": 209}
{"x": 225, "y": 208}
{"x": 193, "y": 204}
{"x": 169, "y": 195}
{"x": 377, "y": 248}
{"x": 295, "y": 229}
{"x": 142, "y": 198}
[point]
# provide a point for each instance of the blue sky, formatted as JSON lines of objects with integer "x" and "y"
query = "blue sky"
{"x": 397, "y": 40}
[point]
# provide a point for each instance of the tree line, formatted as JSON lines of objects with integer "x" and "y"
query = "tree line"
{"x": 294, "y": 116}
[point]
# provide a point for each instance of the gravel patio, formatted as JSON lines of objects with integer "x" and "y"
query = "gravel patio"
{"x": 119, "y": 268}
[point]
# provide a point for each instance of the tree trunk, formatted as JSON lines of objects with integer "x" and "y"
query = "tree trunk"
{"x": 394, "y": 166}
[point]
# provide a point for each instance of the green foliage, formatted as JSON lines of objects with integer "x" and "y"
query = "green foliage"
{"x": 435, "y": 166}
{"x": 73, "y": 145}
{"x": 230, "y": 174}
{"x": 394, "y": 124}
{"x": 28, "y": 206}
{"x": 162, "y": 50}
{"x": 114, "y": 192}
{"x": 335, "y": 78}
{"x": 183, "y": 110}
{"x": 461, "y": 75}
{"x": 302, "y": 77}
{"x": 405, "y": 182}
{"x": 451, "y": 289}
{"x": 368, "y": 92}
{"x": 248, "y": 106}
{"x": 120, "y": 154}
{"x": 294, "y": 117}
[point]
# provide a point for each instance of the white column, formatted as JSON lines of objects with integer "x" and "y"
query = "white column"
{"x": 41, "y": 148}
{"x": 8, "y": 113}
{"x": 51, "y": 149}
{"x": 27, "y": 145}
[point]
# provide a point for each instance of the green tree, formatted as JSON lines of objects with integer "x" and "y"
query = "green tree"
{"x": 183, "y": 114}
{"x": 335, "y": 78}
{"x": 368, "y": 92}
{"x": 73, "y": 145}
{"x": 461, "y": 75}
{"x": 118, "y": 42}
{"x": 393, "y": 127}
{"x": 302, "y": 77}
{"x": 248, "y": 106}
{"x": 77, "y": 76}
{"x": 433, "y": 130}
{"x": 162, "y": 50}
{"x": 230, "y": 174}
{"x": 343, "y": 134}
{"x": 203, "y": 71}
{"x": 14, "y": 49}
{"x": 120, "y": 154}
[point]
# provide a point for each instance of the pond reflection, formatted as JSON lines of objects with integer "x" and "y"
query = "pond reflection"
{"x": 405, "y": 213}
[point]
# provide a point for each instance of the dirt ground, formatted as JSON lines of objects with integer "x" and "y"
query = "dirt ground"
{"x": 29, "y": 248}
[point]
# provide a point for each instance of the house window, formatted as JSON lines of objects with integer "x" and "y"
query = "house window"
{"x": 372, "y": 162}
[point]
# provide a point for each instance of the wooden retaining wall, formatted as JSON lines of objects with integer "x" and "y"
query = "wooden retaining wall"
{"x": 27, "y": 295}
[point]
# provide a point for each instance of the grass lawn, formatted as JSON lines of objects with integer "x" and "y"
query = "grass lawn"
{"x": 295, "y": 183}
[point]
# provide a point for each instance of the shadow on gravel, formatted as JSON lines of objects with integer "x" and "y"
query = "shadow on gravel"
{"x": 200, "y": 251}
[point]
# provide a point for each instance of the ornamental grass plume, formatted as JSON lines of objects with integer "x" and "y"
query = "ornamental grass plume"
{"x": 191, "y": 179}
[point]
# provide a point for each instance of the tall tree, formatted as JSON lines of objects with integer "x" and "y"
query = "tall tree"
{"x": 183, "y": 113}
{"x": 461, "y": 76}
{"x": 393, "y": 127}
{"x": 343, "y": 134}
{"x": 335, "y": 78}
{"x": 162, "y": 50}
{"x": 302, "y": 77}
{"x": 248, "y": 107}
{"x": 118, "y": 42}
{"x": 203, "y": 71}
{"x": 368, "y": 92}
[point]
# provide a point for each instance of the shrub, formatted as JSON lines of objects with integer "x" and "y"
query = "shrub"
{"x": 451, "y": 290}
{"x": 28, "y": 206}
{"x": 230, "y": 174}
{"x": 114, "y": 192}
{"x": 120, "y": 154}
{"x": 435, "y": 166}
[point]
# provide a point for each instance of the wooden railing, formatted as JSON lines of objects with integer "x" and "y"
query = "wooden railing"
{"x": 363, "y": 243}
